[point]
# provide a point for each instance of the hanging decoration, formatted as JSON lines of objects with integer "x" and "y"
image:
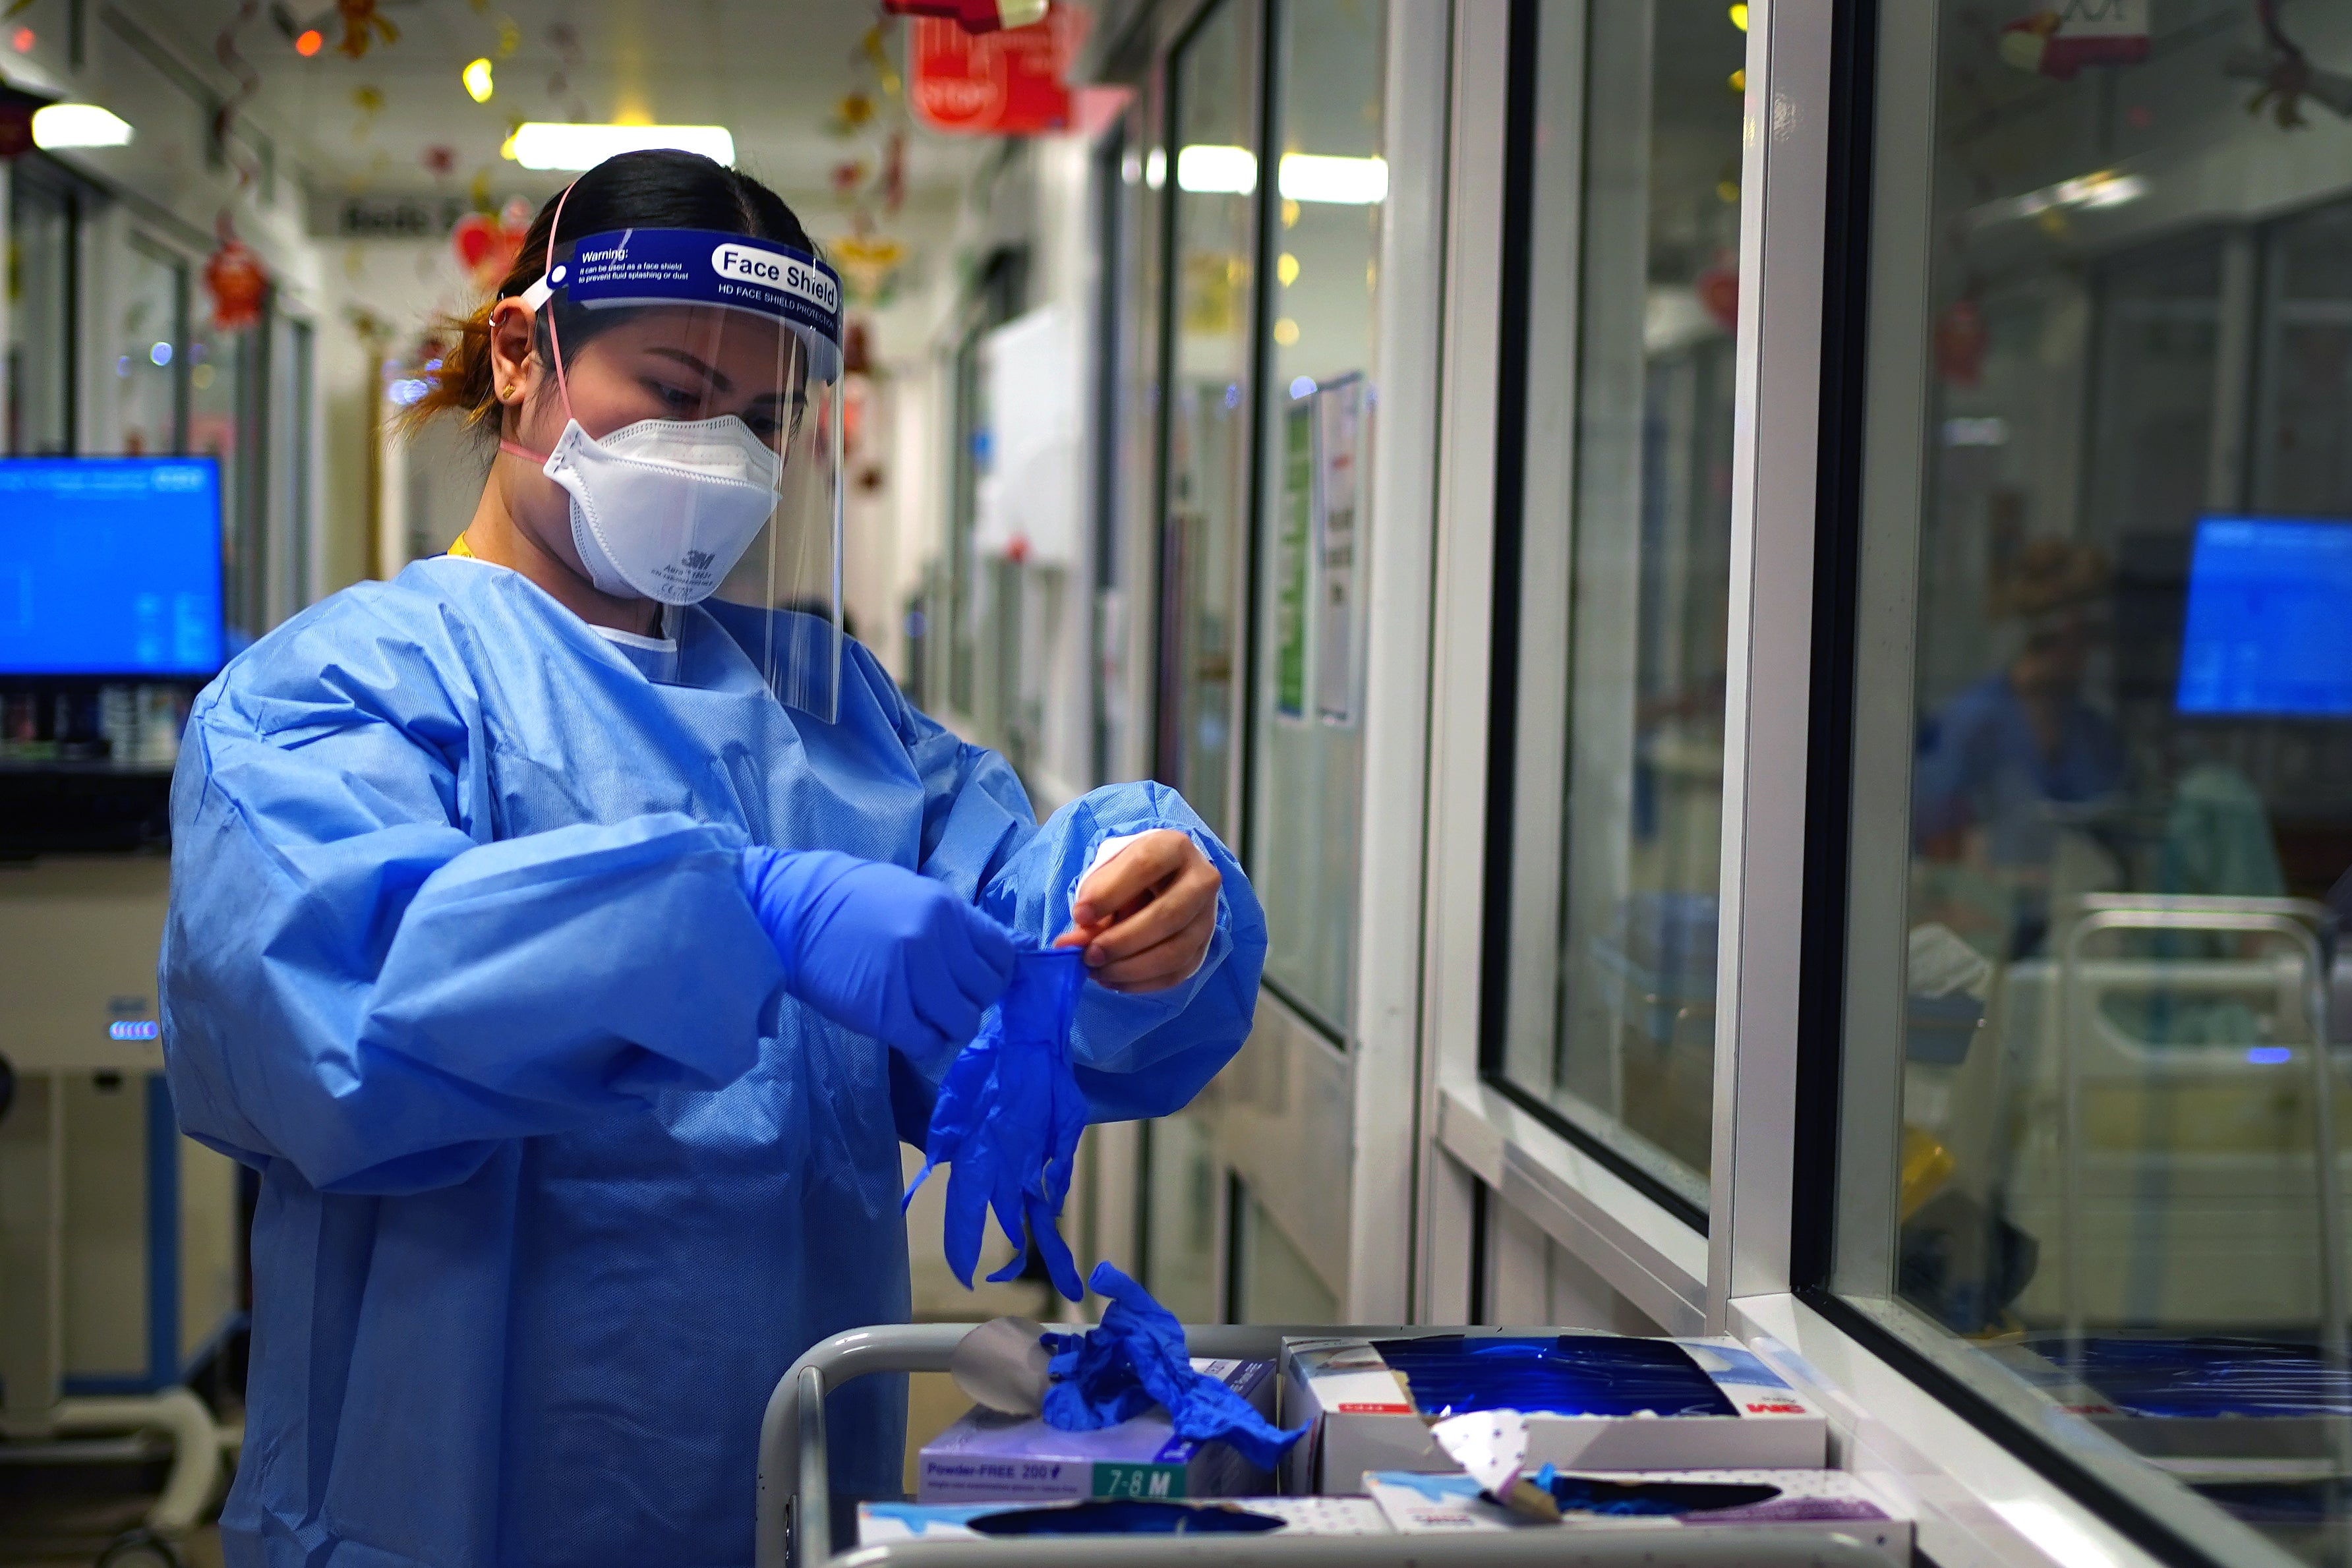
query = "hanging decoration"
{"x": 2285, "y": 74}
{"x": 2059, "y": 42}
{"x": 237, "y": 281}
{"x": 249, "y": 82}
{"x": 973, "y": 15}
{"x": 486, "y": 245}
{"x": 564, "y": 40}
{"x": 1962, "y": 338}
{"x": 363, "y": 27}
{"x": 369, "y": 101}
{"x": 1717, "y": 288}
{"x": 1008, "y": 83}
{"x": 439, "y": 160}
{"x": 869, "y": 266}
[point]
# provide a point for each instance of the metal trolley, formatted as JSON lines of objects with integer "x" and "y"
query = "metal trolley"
{"x": 794, "y": 1526}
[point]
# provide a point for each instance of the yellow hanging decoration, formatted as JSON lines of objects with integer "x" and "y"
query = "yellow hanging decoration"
{"x": 877, "y": 54}
{"x": 509, "y": 37}
{"x": 363, "y": 26}
{"x": 369, "y": 101}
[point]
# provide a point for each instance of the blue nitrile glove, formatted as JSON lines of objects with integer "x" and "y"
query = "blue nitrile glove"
{"x": 878, "y": 948}
{"x": 1136, "y": 1359}
{"x": 1008, "y": 1118}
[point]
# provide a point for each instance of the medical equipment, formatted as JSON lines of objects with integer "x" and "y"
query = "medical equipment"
{"x": 792, "y": 1511}
{"x": 984, "y": 1457}
{"x": 1808, "y": 1505}
{"x": 113, "y": 566}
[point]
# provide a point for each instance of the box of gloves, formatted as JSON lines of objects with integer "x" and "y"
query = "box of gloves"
{"x": 1818, "y": 1502}
{"x": 1592, "y": 1401}
{"x": 880, "y": 1523}
{"x": 985, "y": 1456}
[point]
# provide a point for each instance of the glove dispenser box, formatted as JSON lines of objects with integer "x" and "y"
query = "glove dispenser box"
{"x": 985, "y": 1457}
{"x": 1592, "y": 1402}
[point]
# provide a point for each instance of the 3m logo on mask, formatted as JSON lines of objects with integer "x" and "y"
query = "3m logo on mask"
{"x": 698, "y": 559}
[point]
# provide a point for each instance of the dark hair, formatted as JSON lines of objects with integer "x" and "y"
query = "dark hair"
{"x": 635, "y": 190}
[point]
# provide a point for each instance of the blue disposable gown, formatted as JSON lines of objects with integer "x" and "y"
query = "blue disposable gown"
{"x": 555, "y": 1179}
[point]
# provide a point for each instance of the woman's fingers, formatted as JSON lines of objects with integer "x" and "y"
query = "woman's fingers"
{"x": 1179, "y": 903}
{"x": 1164, "y": 965}
{"x": 1114, "y": 887}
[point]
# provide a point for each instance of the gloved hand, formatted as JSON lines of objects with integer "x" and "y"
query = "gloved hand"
{"x": 878, "y": 948}
{"x": 1137, "y": 1358}
{"x": 1007, "y": 1123}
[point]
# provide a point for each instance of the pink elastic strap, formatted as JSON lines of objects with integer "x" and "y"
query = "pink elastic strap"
{"x": 555, "y": 348}
{"x": 517, "y": 449}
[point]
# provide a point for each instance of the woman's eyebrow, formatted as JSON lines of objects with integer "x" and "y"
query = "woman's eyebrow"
{"x": 718, "y": 379}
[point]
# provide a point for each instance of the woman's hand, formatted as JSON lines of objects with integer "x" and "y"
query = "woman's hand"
{"x": 1146, "y": 915}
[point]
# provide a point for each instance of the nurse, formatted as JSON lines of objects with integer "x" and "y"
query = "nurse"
{"x": 567, "y": 930}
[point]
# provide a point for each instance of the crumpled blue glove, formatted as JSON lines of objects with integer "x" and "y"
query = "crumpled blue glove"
{"x": 878, "y": 948}
{"x": 1008, "y": 1119}
{"x": 1136, "y": 1359}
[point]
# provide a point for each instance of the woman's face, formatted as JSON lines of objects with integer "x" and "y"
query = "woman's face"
{"x": 685, "y": 362}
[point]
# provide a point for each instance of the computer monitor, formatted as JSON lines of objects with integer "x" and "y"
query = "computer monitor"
{"x": 111, "y": 565}
{"x": 2268, "y": 630}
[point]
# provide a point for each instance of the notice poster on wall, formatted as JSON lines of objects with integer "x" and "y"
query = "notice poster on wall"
{"x": 1339, "y": 448}
{"x": 1295, "y": 545}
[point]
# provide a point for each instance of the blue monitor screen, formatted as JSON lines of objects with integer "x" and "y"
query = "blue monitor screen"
{"x": 109, "y": 566}
{"x": 2269, "y": 619}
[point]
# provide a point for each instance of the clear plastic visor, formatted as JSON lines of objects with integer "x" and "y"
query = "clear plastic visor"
{"x": 752, "y": 404}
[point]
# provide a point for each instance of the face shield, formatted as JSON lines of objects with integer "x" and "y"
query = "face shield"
{"x": 701, "y": 378}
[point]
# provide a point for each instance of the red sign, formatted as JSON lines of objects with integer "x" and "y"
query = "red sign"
{"x": 1006, "y": 83}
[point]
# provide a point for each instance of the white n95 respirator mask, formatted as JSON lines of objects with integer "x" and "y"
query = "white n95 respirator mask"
{"x": 664, "y": 508}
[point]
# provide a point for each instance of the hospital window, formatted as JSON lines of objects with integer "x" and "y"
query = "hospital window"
{"x": 1210, "y": 402}
{"x": 1611, "y": 578}
{"x": 1315, "y": 502}
{"x": 1207, "y": 177}
{"x": 2087, "y": 1151}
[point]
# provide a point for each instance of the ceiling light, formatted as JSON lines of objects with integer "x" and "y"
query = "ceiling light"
{"x": 1207, "y": 170}
{"x": 1348, "y": 182}
{"x": 310, "y": 42}
{"x": 544, "y": 144}
{"x": 477, "y": 78}
{"x": 1739, "y": 18}
{"x": 1210, "y": 170}
{"x": 77, "y": 125}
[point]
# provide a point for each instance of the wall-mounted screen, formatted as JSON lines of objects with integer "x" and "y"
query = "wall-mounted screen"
{"x": 2268, "y": 629}
{"x": 109, "y": 566}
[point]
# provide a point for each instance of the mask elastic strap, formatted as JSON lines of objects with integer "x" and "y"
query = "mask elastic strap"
{"x": 517, "y": 449}
{"x": 541, "y": 295}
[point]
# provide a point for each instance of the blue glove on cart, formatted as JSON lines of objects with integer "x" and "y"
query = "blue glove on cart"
{"x": 1135, "y": 1359}
{"x": 1008, "y": 1119}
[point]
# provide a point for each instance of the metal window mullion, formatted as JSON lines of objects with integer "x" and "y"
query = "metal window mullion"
{"x": 1784, "y": 181}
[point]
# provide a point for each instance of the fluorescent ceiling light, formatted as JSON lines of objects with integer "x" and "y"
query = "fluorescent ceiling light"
{"x": 1216, "y": 171}
{"x": 543, "y": 144}
{"x": 1207, "y": 170}
{"x": 79, "y": 125}
{"x": 1348, "y": 182}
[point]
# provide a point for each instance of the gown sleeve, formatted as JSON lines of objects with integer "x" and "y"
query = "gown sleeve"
{"x": 353, "y": 983}
{"x": 1135, "y": 1055}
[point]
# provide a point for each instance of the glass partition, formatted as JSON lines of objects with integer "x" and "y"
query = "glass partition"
{"x": 41, "y": 317}
{"x": 1204, "y": 518}
{"x": 142, "y": 390}
{"x": 1307, "y": 718}
{"x": 1617, "y": 580}
{"x": 2092, "y": 1160}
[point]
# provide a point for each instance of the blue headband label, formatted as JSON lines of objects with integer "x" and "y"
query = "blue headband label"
{"x": 701, "y": 267}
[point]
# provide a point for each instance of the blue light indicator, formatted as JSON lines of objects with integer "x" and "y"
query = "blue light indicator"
{"x": 2269, "y": 1055}
{"x": 160, "y": 355}
{"x": 1303, "y": 387}
{"x": 135, "y": 1028}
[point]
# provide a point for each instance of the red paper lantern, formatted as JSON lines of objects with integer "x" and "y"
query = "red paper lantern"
{"x": 486, "y": 246}
{"x": 238, "y": 283}
{"x": 972, "y": 16}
